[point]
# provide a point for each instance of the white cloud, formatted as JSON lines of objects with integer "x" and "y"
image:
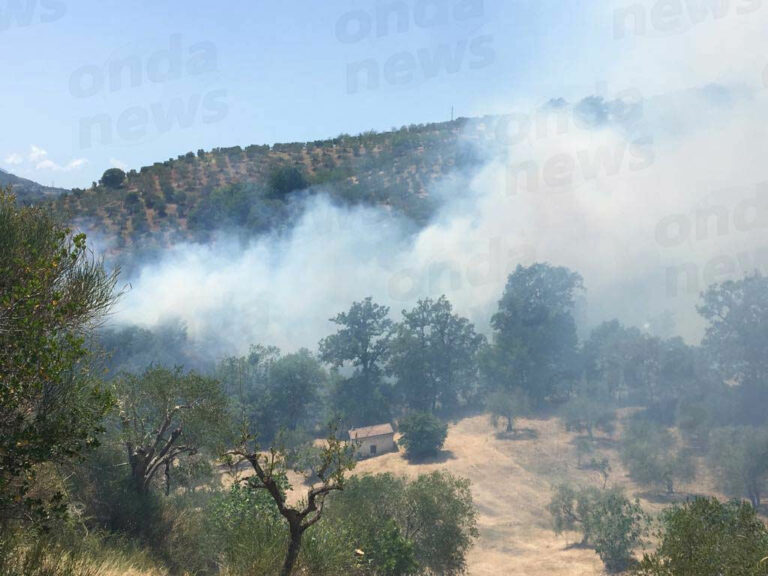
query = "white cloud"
{"x": 38, "y": 158}
{"x": 51, "y": 165}
{"x": 36, "y": 154}
{"x": 14, "y": 159}
{"x": 115, "y": 163}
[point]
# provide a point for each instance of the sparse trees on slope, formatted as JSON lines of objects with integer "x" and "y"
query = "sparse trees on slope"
{"x": 587, "y": 413}
{"x": 164, "y": 415}
{"x": 653, "y": 455}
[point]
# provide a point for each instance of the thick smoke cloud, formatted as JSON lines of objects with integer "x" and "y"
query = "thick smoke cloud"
{"x": 650, "y": 195}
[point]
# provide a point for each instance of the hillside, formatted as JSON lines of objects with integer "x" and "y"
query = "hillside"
{"x": 27, "y": 191}
{"x": 252, "y": 188}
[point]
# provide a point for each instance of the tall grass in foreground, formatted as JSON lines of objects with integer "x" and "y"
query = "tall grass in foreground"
{"x": 28, "y": 555}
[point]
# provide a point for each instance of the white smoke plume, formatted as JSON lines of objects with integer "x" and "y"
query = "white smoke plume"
{"x": 649, "y": 194}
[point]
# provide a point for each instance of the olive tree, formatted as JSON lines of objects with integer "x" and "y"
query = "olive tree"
{"x": 654, "y": 456}
{"x": 708, "y": 538}
{"x": 739, "y": 457}
{"x": 507, "y": 406}
{"x": 269, "y": 468}
{"x": 609, "y": 522}
{"x": 421, "y": 526}
{"x": 164, "y": 415}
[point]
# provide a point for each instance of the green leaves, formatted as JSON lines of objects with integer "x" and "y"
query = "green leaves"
{"x": 422, "y": 526}
{"x": 535, "y": 339}
{"x": 739, "y": 457}
{"x": 52, "y": 294}
{"x": 736, "y": 338}
{"x": 434, "y": 356}
{"x": 423, "y": 435}
{"x": 165, "y": 414}
{"x": 610, "y": 523}
{"x": 709, "y": 538}
{"x": 654, "y": 456}
{"x": 362, "y": 341}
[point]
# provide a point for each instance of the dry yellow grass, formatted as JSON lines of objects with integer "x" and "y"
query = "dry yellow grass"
{"x": 512, "y": 482}
{"x": 55, "y": 561}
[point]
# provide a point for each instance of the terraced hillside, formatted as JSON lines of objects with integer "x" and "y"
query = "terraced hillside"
{"x": 253, "y": 188}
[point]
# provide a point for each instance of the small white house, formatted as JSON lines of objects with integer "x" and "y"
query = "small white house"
{"x": 373, "y": 440}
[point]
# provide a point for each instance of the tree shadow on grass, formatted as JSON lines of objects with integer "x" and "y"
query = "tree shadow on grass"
{"x": 598, "y": 442}
{"x": 439, "y": 458}
{"x": 660, "y": 497}
{"x": 518, "y": 434}
{"x": 579, "y": 546}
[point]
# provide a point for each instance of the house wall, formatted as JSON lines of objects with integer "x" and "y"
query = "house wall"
{"x": 384, "y": 444}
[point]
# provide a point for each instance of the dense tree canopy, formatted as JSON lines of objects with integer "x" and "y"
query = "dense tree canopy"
{"x": 708, "y": 538}
{"x": 52, "y": 294}
{"x": 362, "y": 342}
{"x": 423, "y": 435}
{"x": 535, "y": 341}
{"x": 434, "y": 356}
{"x": 737, "y": 312}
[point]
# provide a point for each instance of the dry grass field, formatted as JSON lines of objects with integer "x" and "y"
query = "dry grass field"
{"x": 513, "y": 478}
{"x": 512, "y": 482}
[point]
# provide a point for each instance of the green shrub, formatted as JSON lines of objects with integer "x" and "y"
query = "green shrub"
{"x": 423, "y": 435}
{"x": 424, "y": 526}
{"x": 246, "y": 532}
{"x": 609, "y": 522}
{"x": 708, "y": 538}
{"x": 653, "y": 455}
{"x": 113, "y": 178}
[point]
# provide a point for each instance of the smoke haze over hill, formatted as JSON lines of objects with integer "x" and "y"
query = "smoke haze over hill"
{"x": 649, "y": 213}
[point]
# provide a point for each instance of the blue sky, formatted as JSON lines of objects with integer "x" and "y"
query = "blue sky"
{"x": 91, "y": 84}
